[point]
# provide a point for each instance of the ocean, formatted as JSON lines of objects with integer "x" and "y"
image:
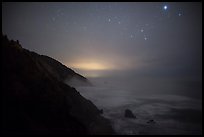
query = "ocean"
{"x": 174, "y": 106}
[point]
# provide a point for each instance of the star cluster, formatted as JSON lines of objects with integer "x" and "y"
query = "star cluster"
{"x": 122, "y": 34}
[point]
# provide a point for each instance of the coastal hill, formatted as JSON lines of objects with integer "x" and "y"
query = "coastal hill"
{"x": 35, "y": 100}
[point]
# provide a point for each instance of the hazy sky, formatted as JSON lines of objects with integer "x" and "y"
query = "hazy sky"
{"x": 159, "y": 38}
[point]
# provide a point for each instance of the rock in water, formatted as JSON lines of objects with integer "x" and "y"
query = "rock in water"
{"x": 129, "y": 114}
{"x": 151, "y": 121}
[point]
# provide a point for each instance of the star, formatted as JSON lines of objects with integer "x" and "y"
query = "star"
{"x": 119, "y": 22}
{"x": 165, "y": 7}
{"x": 142, "y": 30}
{"x": 179, "y": 14}
{"x": 53, "y": 18}
{"x": 85, "y": 28}
{"x": 131, "y": 36}
{"x": 109, "y": 20}
{"x": 145, "y": 37}
{"x": 74, "y": 23}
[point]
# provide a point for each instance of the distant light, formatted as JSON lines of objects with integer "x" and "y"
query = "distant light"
{"x": 179, "y": 14}
{"x": 90, "y": 66}
{"x": 109, "y": 20}
{"x": 165, "y": 7}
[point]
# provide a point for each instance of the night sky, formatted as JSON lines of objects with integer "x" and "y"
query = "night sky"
{"x": 162, "y": 38}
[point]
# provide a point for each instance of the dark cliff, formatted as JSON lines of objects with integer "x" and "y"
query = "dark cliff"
{"x": 36, "y": 101}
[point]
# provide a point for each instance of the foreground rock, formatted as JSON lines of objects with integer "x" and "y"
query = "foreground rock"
{"x": 36, "y": 101}
{"x": 101, "y": 111}
{"x": 129, "y": 114}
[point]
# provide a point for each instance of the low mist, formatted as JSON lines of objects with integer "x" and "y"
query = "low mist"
{"x": 174, "y": 102}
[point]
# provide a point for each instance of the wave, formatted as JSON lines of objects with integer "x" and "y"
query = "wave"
{"x": 173, "y": 114}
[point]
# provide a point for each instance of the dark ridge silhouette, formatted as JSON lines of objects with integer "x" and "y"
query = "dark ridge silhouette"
{"x": 57, "y": 69}
{"x": 36, "y": 101}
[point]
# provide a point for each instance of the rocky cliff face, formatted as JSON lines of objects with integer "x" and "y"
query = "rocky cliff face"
{"x": 36, "y": 101}
{"x": 57, "y": 69}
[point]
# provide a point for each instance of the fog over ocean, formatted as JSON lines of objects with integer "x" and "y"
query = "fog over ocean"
{"x": 142, "y": 56}
{"x": 174, "y": 105}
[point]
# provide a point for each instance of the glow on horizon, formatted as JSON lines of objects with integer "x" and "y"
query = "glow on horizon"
{"x": 90, "y": 66}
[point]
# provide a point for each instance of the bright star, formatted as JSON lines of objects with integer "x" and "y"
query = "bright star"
{"x": 165, "y": 7}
